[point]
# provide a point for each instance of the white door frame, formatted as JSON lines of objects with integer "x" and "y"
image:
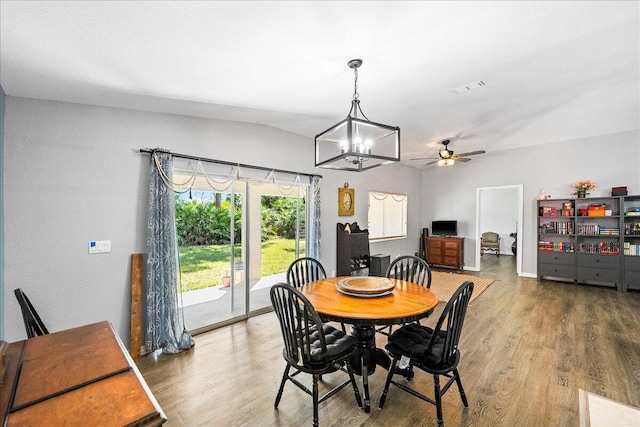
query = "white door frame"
{"x": 519, "y": 230}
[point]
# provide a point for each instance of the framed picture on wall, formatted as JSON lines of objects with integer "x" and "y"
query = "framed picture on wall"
{"x": 346, "y": 201}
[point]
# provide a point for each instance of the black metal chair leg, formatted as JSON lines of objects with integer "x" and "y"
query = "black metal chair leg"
{"x": 315, "y": 401}
{"x": 463, "y": 396}
{"x": 284, "y": 380}
{"x": 438, "y": 396}
{"x": 392, "y": 369}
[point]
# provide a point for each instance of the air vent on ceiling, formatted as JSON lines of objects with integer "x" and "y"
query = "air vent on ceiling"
{"x": 469, "y": 87}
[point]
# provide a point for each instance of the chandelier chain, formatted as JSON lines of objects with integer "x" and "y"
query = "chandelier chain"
{"x": 356, "y": 95}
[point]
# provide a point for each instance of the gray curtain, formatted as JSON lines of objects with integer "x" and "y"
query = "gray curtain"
{"x": 164, "y": 322}
{"x": 314, "y": 216}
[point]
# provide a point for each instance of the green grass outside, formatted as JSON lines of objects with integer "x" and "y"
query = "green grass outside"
{"x": 203, "y": 266}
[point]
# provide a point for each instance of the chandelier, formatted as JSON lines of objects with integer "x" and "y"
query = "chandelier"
{"x": 356, "y": 143}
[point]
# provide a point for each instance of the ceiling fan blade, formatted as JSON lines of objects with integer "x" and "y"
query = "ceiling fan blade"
{"x": 424, "y": 158}
{"x": 471, "y": 153}
{"x": 461, "y": 159}
{"x": 430, "y": 163}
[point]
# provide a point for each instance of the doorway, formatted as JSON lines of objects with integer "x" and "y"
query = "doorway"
{"x": 500, "y": 209}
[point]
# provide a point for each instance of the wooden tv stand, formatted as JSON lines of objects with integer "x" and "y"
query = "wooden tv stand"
{"x": 445, "y": 252}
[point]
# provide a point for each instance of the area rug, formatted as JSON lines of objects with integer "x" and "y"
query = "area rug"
{"x": 444, "y": 284}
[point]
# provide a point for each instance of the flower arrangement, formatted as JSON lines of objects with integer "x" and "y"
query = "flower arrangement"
{"x": 583, "y": 186}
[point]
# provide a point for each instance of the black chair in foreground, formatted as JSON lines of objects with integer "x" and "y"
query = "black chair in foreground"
{"x": 310, "y": 346}
{"x": 411, "y": 269}
{"x": 434, "y": 351}
{"x": 32, "y": 322}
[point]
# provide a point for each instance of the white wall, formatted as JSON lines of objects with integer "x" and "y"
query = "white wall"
{"x": 73, "y": 173}
{"x": 393, "y": 178}
{"x": 609, "y": 160}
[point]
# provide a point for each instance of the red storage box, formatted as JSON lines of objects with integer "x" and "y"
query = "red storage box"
{"x": 619, "y": 191}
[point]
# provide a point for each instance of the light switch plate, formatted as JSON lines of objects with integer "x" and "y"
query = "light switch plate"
{"x": 99, "y": 246}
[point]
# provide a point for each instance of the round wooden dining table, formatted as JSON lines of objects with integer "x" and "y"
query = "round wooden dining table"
{"x": 405, "y": 303}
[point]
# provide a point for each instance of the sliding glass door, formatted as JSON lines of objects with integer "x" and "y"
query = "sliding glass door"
{"x": 210, "y": 239}
{"x": 236, "y": 239}
{"x": 277, "y": 236}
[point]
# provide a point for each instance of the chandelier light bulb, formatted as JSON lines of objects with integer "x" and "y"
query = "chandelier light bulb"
{"x": 344, "y": 145}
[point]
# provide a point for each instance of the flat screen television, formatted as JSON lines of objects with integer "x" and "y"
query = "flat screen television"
{"x": 444, "y": 228}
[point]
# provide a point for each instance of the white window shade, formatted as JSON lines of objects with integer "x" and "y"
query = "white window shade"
{"x": 387, "y": 215}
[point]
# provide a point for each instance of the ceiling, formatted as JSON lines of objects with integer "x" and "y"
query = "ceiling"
{"x": 550, "y": 68}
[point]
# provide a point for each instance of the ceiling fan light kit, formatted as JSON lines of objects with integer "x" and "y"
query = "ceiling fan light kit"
{"x": 448, "y": 158}
{"x": 446, "y": 162}
{"x": 356, "y": 143}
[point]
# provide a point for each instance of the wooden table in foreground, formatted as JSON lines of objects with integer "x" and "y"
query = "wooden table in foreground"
{"x": 407, "y": 302}
{"x": 80, "y": 376}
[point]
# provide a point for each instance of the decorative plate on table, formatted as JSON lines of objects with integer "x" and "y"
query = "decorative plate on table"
{"x": 366, "y": 295}
{"x": 365, "y": 286}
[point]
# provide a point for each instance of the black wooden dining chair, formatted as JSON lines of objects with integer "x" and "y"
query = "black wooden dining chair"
{"x": 411, "y": 269}
{"x": 32, "y": 322}
{"x": 304, "y": 270}
{"x": 434, "y": 351}
{"x": 310, "y": 346}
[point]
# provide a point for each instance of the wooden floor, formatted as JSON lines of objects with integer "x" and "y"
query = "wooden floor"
{"x": 527, "y": 348}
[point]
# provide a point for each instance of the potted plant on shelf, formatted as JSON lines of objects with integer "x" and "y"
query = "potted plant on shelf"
{"x": 582, "y": 187}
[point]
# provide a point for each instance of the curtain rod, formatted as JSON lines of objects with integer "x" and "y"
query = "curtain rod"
{"x": 224, "y": 162}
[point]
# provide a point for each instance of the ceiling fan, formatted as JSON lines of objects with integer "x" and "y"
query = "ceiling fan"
{"x": 447, "y": 158}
